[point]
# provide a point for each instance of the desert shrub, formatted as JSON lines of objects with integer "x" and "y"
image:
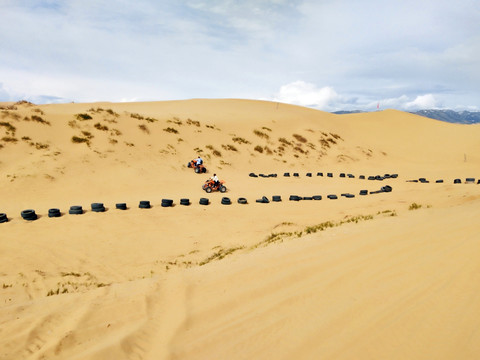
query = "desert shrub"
{"x": 137, "y": 116}
{"x": 26, "y": 138}
{"x": 144, "y": 128}
{"x": 268, "y": 151}
{"x": 24, "y": 102}
{"x": 87, "y": 134}
{"x": 324, "y": 143}
{"x": 258, "y": 148}
{"x": 73, "y": 124}
{"x": 9, "y": 139}
{"x": 40, "y": 120}
{"x": 39, "y": 111}
{"x": 299, "y": 138}
{"x": 414, "y": 206}
{"x": 175, "y": 121}
{"x": 214, "y": 151}
{"x": 261, "y": 134}
{"x": 9, "y": 127}
{"x": 266, "y": 128}
{"x": 171, "y": 130}
{"x": 101, "y": 127}
{"x": 129, "y": 144}
{"x": 193, "y": 122}
{"x": 336, "y": 136}
{"x": 83, "y": 117}
{"x": 112, "y": 141}
{"x": 331, "y": 140}
{"x": 115, "y": 132}
{"x": 150, "y": 120}
{"x": 79, "y": 140}
{"x": 229, "y": 147}
{"x": 111, "y": 112}
{"x": 284, "y": 141}
{"x": 240, "y": 140}
{"x": 299, "y": 149}
{"x": 40, "y": 146}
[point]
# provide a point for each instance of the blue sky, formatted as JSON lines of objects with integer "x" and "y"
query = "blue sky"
{"x": 326, "y": 54}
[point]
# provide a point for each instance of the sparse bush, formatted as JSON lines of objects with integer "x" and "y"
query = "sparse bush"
{"x": 83, "y": 117}
{"x": 26, "y": 138}
{"x": 261, "y": 134}
{"x": 240, "y": 140}
{"x": 73, "y": 124}
{"x": 268, "y": 151}
{"x": 87, "y": 134}
{"x": 9, "y": 127}
{"x": 299, "y": 149}
{"x": 111, "y": 112}
{"x": 112, "y": 141}
{"x": 229, "y": 147}
{"x": 137, "y": 116}
{"x": 258, "y": 148}
{"x": 324, "y": 143}
{"x": 115, "y": 132}
{"x": 266, "y": 128}
{"x": 144, "y": 128}
{"x": 39, "y": 111}
{"x": 414, "y": 206}
{"x": 193, "y": 122}
{"x": 171, "y": 130}
{"x": 40, "y": 120}
{"x": 300, "y": 138}
{"x": 79, "y": 140}
{"x": 284, "y": 141}
{"x": 150, "y": 120}
{"x": 40, "y": 146}
{"x": 9, "y": 139}
{"x": 101, "y": 127}
{"x": 338, "y": 137}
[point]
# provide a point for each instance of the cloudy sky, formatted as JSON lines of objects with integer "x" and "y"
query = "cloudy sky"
{"x": 327, "y": 54}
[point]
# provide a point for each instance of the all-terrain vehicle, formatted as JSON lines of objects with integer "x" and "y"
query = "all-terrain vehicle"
{"x": 210, "y": 186}
{"x": 199, "y": 169}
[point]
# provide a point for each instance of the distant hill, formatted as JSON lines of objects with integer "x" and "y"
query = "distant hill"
{"x": 451, "y": 116}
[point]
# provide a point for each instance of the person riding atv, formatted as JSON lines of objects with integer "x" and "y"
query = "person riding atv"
{"x": 197, "y": 165}
{"x": 213, "y": 184}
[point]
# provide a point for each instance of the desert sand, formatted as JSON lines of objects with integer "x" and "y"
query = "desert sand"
{"x": 389, "y": 275}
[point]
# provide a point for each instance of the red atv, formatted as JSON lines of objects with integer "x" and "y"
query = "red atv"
{"x": 199, "y": 169}
{"x": 210, "y": 186}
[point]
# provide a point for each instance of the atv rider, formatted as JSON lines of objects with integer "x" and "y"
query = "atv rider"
{"x": 215, "y": 180}
{"x": 198, "y": 161}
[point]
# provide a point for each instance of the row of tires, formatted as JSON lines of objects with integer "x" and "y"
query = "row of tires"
{"x": 30, "y": 214}
{"x": 455, "y": 181}
{"x": 342, "y": 175}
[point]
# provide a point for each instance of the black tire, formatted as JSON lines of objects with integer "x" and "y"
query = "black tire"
{"x": 185, "y": 202}
{"x": 197, "y": 170}
{"x": 286, "y": 174}
{"x": 439, "y": 181}
{"x": 167, "y": 202}
{"x": 223, "y": 189}
{"x": 342, "y": 175}
{"x": 470, "y": 180}
{"x": 309, "y": 174}
{"x": 204, "y": 201}
{"x": 386, "y": 188}
{"x": 226, "y": 201}
{"x": 276, "y": 198}
{"x": 208, "y": 189}
{"x": 296, "y": 174}
{"x": 121, "y": 206}
{"x": 332, "y": 197}
{"x": 295, "y": 198}
{"x": 319, "y": 173}
{"x": 263, "y": 200}
{"x": 242, "y": 201}
{"x": 252, "y": 175}
{"x": 362, "y": 177}
{"x": 363, "y": 192}
{"x": 75, "y": 210}
{"x": 394, "y": 176}
{"x": 3, "y": 218}
{"x": 98, "y": 207}
{"x": 317, "y": 197}
{"x": 457, "y": 181}
{"x": 54, "y": 212}
{"x": 29, "y": 214}
{"x": 329, "y": 174}
{"x": 307, "y": 198}
{"x": 272, "y": 175}
{"x": 204, "y": 170}
{"x": 144, "y": 204}
{"x": 349, "y": 196}
{"x": 351, "y": 176}
{"x": 189, "y": 165}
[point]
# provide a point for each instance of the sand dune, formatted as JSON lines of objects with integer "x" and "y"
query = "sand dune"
{"x": 383, "y": 276}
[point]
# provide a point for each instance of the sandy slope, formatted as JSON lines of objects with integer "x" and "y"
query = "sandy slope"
{"x": 238, "y": 281}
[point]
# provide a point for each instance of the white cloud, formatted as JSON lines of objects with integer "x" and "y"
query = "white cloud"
{"x": 306, "y": 94}
{"x": 426, "y": 101}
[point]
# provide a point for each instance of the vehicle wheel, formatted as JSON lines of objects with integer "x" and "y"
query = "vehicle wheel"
{"x": 197, "y": 170}
{"x": 189, "y": 165}
{"x": 208, "y": 189}
{"x": 204, "y": 170}
{"x": 223, "y": 189}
